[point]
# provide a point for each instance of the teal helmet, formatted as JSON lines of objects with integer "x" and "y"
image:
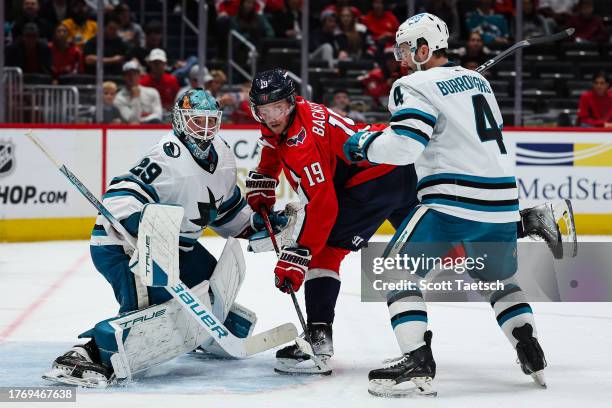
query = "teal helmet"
{"x": 196, "y": 120}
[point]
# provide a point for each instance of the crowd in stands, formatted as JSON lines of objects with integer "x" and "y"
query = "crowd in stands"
{"x": 143, "y": 79}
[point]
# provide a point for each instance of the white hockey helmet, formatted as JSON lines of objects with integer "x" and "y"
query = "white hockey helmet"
{"x": 427, "y": 26}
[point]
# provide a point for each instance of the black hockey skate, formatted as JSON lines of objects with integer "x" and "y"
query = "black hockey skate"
{"x": 544, "y": 221}
{"x": 292, "y": 360}
{"x": 530, "y": 354}
{"x": 409, "y": 375}
{"x": 81, "y": 366}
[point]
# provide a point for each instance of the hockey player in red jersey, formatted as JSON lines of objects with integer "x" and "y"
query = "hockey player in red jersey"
{"x": 345, "y": 203}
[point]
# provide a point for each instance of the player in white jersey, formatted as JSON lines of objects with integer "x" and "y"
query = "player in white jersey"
{"x": 191, "y": 167}
{"x": 446, "y": 121}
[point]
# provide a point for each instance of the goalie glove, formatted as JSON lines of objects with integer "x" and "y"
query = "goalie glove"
{"x": 260, "y": 191}
{"x": 291, "y": 268}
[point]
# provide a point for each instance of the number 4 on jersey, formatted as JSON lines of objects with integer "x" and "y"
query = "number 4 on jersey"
{"x": 486, "y": 126}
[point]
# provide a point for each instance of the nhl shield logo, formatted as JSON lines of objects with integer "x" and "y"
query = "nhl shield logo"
{"x": 7, "y": 158}
{"x": 297, "y": 139}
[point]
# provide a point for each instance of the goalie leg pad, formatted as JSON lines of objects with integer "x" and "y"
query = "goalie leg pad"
{"x": 227, "y": 278}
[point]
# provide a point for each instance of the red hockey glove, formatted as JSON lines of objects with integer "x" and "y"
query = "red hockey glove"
{"x": 260, "y": 191}
{"x": 291, "y": 268}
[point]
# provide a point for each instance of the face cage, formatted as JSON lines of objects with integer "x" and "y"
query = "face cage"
{"x": 195, "y": 131}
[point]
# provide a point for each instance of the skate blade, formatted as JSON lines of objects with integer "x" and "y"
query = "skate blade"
{"x": 59, "y": 376}
{"x": 306, "y": 348}
{"x": 539, "y": 379}
{"x": 564, "y": 217}
{"x": 416, "y": 387}
{"x": 290, "y": 367}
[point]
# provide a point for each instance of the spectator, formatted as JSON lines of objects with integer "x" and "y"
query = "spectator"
{"x": 115, "y": 50}
{"x": 595, "y": 106}
{"x": 153, "y": 39}
{"x": 250, "y": 24}
{"x": 80, "y": 28}
{"x": 287, "y": 22}
{"x": 110, "y": 111}
{"x": 341, "y": 104}
{"x": 67, "y": 58}
{"x": 323, "y": 45}
{"x": 193, "y": 80}
{"x": 55, "y": 11}
{"x": 492, "y": 27}
{"x": 166, "y": 84}
{"x": 137, "y": 104}
{"x": 559, "y": 10}
{"x": 214, "y": 87}
{"x": 381, "y": 23}
{"x": 534, "y": 23}
{"x": 447, "y": 11}
{"x": 335, "y": 8}
{"x": 589, "y": 28}
{"x": 130, "y": 32}
{"x": 350, "y": 36}
{"x": 377, "y": 83}
{"x": 243, "y": 114}
{"x": 30, "y": 13}
{"x": 29, "y": 52}
{"x": 229, "y": 8}
{"x": 474, "y": 50}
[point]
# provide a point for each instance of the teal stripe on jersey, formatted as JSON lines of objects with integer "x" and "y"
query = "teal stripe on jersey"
{"x": 466, "y": 177}
{"x": 411, "y": 135}
{"x": 475, "y": 207}
{"x": 146, "y": 187}
{"x": 230, "y": 215}
{"x": 416, "y": 112}
{"x": 99, "y": 233}
{"x": 187, "y": 242}
{"x": 127, "y": 193}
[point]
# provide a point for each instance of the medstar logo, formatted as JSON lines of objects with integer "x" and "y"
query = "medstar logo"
{"x": 297, "y": 139}
{"x": 208, "y": 211}
{"x": 7, "y": 158}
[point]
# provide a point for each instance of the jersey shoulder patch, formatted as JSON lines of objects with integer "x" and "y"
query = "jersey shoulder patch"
{"x": 171, "y": 149}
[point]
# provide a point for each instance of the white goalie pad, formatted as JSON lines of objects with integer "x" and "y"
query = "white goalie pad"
{"x": 158, "y": 245}
{"x": 227, "y": 278}
{"x": 156, "y": 334}
{"x": 261, "y": 242}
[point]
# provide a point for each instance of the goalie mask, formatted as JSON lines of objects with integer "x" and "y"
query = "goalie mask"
{"x": 196, "y": 121}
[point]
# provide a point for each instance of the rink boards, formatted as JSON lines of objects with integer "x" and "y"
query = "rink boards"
{"x": 37, "y": 203}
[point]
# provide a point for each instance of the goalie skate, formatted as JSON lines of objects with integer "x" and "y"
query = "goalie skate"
{"x": 77, "y": 367}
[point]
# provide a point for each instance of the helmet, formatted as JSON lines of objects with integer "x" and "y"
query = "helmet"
{"x": 269, "y": 87}
{"x": 427, "y": 26}
{"x": 196, "y": 120}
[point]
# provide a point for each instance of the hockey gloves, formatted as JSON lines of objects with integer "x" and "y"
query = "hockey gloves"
{"x": 356, "y": 146}
{"x": 260, "y": 191}
{"x": 291, "y": 268}
{"x": 277, "y": 218}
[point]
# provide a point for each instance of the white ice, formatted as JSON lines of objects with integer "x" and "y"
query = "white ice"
{"x": 51, "y": 292}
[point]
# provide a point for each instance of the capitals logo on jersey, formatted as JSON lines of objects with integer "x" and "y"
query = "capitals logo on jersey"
{"x": 297, "y": 139}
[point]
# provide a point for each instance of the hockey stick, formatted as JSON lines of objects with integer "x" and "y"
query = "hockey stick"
{"x": 234, "y": 346}
{"x": 561, "y": 35}
{"x": 304, "y": 344}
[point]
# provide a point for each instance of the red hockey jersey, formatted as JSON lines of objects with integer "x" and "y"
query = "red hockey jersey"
{"x": 310, "y": 155}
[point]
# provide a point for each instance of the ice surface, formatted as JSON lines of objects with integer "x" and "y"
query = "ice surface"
{"x": 51, "y": 293}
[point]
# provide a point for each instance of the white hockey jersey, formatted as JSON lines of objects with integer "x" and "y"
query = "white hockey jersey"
{"x": 447, "y": 122}
{"x": 169, "y": 174}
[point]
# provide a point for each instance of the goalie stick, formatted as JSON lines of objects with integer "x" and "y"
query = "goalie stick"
{"x": 234, "y": 346}
{"x": 304, "y": 344}
{"x": 561, "y": 35}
